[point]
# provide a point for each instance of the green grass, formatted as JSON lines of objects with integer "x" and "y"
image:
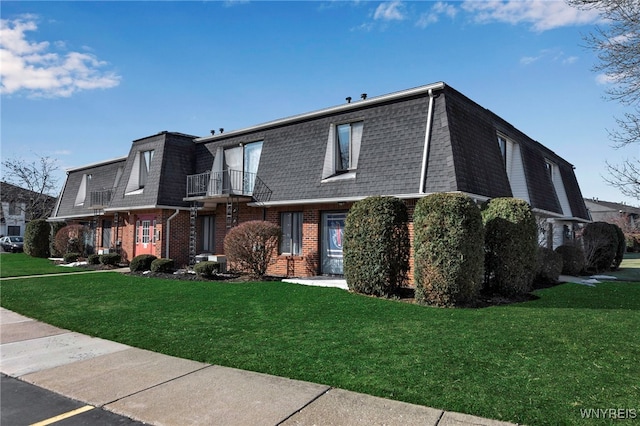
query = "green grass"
{"x": 20, "y": 265}
{"x": 537, "y": 362}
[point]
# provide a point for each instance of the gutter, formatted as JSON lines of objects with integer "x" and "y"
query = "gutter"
{"x": 427, "y": 139}
{"x": 168, "y": 233}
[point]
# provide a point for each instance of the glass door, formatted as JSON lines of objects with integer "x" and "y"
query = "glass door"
{"x": 331, "y": 246}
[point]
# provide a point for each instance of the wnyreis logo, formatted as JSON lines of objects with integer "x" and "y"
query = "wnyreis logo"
{"x": 609, "y": 413}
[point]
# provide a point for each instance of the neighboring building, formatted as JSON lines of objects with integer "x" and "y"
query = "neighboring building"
{"x": 175, "y": 195}
{"x": 19, "y": 205}
{"x": 622, "y": 215}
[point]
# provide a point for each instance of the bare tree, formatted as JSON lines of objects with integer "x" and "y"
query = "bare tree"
{"x": 617, "y": 44}
{"x": 32, "y": 185}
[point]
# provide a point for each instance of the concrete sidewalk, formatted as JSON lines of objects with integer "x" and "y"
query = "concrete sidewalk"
{"x": 163, "y": 390}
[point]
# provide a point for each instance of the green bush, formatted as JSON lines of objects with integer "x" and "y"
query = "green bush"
{"x": 511, "y": 244}
{"x": 620, "y": 249}
{"x": 141, "y": 263}
{"x": 600, "y": 241}
{"x": 448, "y": 250}
{"x": 163, "y": 265}
{"x": 36, "y": 238}
{"x": 573, "y": 261}
{"x": 93, "y": 259}
{"x": 549, "y": 266}
{"x": 112, "y": 259}
{"x": 206, "y": 268}
{"x": 376, "y": 246}
{"x": 252, "y": 246}
{"x": 71, "y": 257}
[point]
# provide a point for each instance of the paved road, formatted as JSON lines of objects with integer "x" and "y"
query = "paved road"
{"x": 22, "y": 403}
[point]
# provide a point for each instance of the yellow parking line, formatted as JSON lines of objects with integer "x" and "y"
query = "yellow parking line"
{"x": 64, "y": 416}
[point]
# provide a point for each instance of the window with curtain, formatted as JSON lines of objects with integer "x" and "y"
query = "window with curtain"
{"x": 252, "y": 153}
{"x": 291, "y": 238}
{"x": 348, "y": 137}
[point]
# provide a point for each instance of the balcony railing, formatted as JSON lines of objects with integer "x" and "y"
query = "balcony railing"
{"x": 100, "y": 199}
{"x": 227, "y": 182}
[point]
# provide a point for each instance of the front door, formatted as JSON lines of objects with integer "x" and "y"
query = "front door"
{"x": 331, "y": 245}
{"x": 145, "y": 235}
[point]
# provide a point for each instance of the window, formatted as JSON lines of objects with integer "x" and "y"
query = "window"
{"x": 14, "y": 208}
{"x": 502, "y": 143}
{"x": 549, "y": 167}
{"x": 291, "y": 240}
{"x": 13, "y": 230}
{"x": 145, "y": 164}
{"x": 348, "y": 137}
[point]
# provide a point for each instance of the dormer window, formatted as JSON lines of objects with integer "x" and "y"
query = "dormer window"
{"x": 343, "y": 150}
{"x": 502, "y": 143}
{"x": 348, "y": 137}
{"x": 549, "y": 167}
{"x": 145, "y": 163}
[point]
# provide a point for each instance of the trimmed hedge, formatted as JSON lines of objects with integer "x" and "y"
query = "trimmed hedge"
{"x": 110, "y": 259}
{"x": 600, "y": 241}
{"x": 621, "y": 249}
{"x": 93, "y": 259}
{"x": 141, "y": 263}
{"x": 573, "y": 261}
{"x": 376, "y": 246}
{"x": 448, "y": 250}
{"x": 511, "y": 244}
{"x": 549, "y": 266}
{"x": 206, "y": 268}
{"x": 162, "y": 265}
{"x": 71, "y": 257}
{"x": 55, "y": 227}
{"x": 36, "y": 238}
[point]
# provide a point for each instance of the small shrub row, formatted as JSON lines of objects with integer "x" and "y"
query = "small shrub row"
{"x": 141, "y": 263}
{"x": 70, "y": 257}
{"x": 207, "y": 268}
{"x": 162, "y": 265}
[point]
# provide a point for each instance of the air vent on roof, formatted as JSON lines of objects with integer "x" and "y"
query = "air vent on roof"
{"x": 348, "y": 99}
{"x": 221, "y": 129}
{"x": 213, "y": 132}
{"x": 363, "y": 96}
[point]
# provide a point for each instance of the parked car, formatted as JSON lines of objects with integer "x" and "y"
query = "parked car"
{"x": 12, "y": 244}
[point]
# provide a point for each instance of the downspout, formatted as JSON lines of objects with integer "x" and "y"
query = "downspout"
{"x": 427, "y": 139}
{"x": 168, "y": 233}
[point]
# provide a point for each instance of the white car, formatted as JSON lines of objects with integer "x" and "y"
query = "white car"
{"x": 12, "y": 244}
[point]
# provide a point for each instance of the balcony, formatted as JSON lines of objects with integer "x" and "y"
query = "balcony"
{"x": 100, "y": 199}
{"x": 225, "y": 184}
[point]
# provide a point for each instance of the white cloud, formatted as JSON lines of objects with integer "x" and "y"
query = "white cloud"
{"x": 29, "y": 66}
{"x": 542, "y": 15}
{"x": 433, "y": 15}
{"x": 550, "y": 55}
{"x": 390, "y": 11}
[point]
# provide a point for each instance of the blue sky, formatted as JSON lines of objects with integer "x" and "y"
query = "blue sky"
{"x": 82, "y": 80}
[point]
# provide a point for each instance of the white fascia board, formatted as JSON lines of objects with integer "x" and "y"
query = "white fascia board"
{"x": 330, "y": 110}
{"x": 149, "y": 207}
{"x": 100, "y": 163}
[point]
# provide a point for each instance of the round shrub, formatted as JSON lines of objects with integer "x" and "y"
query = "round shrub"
{"x": 163, "y": 265}
{"x": 112, "y": 259}
{"x": 141, "y": 263}
{"x": 70, "y": 257}
{"x": 448, "y": 250}
{"x": 572, "y": 259}
{"x": 376, "y": 246}
{"x": 252, "y": 245}
{"x": 620, "y": 249}
{"x": 93, "y": 259}
{"x": 36, "y": 238}
{"x": 511, "y": 244}
{"x": 600, "y": 241}
{"x": 549, "y": 266}
{"x": 206, "y": 268}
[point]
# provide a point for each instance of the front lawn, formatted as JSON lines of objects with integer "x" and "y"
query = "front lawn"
{"x": 19, "y": 265}
{"x": 538, "y": 362}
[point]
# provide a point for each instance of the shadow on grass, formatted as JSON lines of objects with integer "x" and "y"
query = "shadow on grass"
{"x": 606, "y": 295}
